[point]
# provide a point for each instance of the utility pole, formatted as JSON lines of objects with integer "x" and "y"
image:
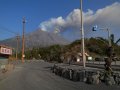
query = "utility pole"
{"x": 109, "y": 37}
{"x": 23, "y": 41}
{"x": 82, "y": 35}
{"x": 17, "y": 38}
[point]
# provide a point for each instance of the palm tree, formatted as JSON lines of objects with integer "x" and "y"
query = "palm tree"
{"x": 113, "y": 40}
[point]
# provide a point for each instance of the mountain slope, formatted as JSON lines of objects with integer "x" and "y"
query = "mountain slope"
{"x": 37, "y": 38}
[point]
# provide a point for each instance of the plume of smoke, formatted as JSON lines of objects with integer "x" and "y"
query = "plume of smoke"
{"x": 105, "y": 17}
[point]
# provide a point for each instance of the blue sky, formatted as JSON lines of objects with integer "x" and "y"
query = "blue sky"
{"x": 39, "y": 11}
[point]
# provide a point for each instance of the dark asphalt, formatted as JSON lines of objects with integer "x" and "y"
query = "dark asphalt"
{"x": 36, "y": 75}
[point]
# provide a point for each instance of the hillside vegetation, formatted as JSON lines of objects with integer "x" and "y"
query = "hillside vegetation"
{"x": 95, "y": 47}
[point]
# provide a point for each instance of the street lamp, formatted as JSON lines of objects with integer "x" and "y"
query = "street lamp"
{"x": 82, "y": 35}
{"x": 95, "y": 28}
{"x": 110, "y": 49}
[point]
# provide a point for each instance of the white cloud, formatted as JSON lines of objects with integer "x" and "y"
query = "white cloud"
{"x": 105, "y": 17}
{"x": 52, "y": 24}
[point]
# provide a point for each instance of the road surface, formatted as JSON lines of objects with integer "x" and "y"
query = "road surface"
{"x": 36, "y": 75}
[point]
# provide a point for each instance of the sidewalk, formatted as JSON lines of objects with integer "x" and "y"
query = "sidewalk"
{"x": 4, "y": 73}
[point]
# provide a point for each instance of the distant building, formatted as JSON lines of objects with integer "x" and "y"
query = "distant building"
{"x": 79, "y": 56}
{"x": 5, "y": 51}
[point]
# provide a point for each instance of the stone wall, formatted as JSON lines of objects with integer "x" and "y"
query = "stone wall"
{"x": 88, "y": 74}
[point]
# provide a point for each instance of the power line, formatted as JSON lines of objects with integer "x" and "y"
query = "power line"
{"x": 17, "y": 37}
{"x": 8, "y": 30}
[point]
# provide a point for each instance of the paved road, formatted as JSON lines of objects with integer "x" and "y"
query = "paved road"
{"x": 100, "y": 64}
{"x": 37, "y": 76}
{"x": 114, "y": 63}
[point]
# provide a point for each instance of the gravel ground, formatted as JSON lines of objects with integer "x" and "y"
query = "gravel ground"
{"x": 36, "y": 75}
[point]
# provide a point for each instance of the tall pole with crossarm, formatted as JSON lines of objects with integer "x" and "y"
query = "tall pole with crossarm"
{"x": 17, "y": 45}
{"x": 82, "y": 35}
{"x": 23, "y": 41}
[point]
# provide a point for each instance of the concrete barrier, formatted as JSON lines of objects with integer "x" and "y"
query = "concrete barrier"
{"x": 88, "y": 75}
